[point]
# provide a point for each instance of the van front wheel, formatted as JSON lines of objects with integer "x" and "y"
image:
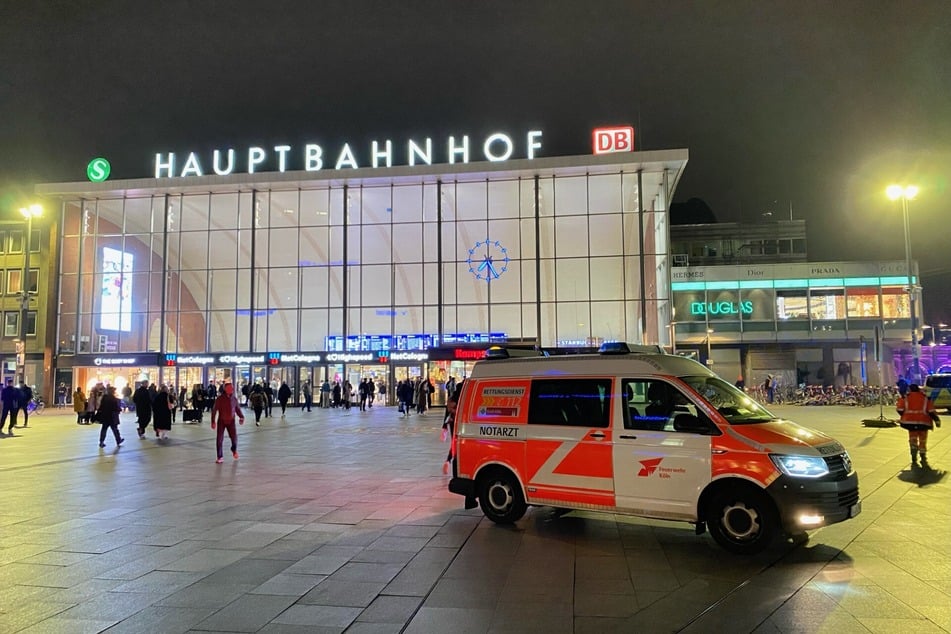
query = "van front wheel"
{"x": 500, "y": 497}
{"x": 742, "y": 521}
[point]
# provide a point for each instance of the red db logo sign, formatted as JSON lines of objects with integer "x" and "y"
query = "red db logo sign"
{"x": 613, "y": 140}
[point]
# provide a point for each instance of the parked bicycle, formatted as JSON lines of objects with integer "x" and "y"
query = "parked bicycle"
{"x": 35, "y": 406}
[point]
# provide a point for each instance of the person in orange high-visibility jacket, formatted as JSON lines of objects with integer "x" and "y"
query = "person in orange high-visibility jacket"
{"x": 918, "y": 417}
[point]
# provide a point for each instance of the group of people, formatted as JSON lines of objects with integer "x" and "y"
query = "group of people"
{"x": 15, "y": 399}
{"x": 418, "y": 394}
{"x": 260, "y": 398}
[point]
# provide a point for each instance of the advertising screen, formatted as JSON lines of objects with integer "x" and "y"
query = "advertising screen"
{"x": 116, "y": 300}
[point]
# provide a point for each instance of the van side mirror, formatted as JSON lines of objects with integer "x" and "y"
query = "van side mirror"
{"x": 690, "y": 424}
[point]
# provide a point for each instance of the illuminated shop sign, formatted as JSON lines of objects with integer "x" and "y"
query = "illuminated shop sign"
{"x": 116, "y": 361}
{"x": 721, "y": 308}
{"x": 468, "y": 355}
{"x": 300, "y": 358}
{"x": 240, "y": 359}
{"x": 351, "y": 357}
{"x": 409, "y": 356}
{"x": 312, "y": 157}
{"x": 191, "y": 359}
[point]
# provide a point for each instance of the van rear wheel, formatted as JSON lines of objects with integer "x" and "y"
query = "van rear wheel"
{"x": 500, "y": 497}
{"x": 742, "y": 521}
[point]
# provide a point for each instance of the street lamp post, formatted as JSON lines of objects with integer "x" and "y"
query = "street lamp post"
{"x": 29, "y": 213}
{"x": 906, "y": 193}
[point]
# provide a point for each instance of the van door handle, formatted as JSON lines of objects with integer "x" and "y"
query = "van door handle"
{"x": 597, "y": 434}
{"x": 628, "y": 437}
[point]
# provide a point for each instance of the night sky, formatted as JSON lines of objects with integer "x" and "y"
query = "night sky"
{"x": 815, "y": 106}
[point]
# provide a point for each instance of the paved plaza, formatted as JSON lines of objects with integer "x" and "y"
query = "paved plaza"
{"x": 341, "y": 522}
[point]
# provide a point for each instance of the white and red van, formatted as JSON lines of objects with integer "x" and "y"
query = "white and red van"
{"x": 652, "y": 435}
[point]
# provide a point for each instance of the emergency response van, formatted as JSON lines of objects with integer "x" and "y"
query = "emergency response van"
{"x": 652, "y": 435}
{"x": 938, "y": 390}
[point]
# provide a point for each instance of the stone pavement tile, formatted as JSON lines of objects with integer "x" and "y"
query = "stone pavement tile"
{"x": 204, "y": 560}
{"x": 911, "y": 590}
{"x": 56, "y": 558}
{"x": 463, "y": 593}
{"x": 868, "y": 601}
{"x": 615, "y": 586}
{"x": 601, "y": 604}
{"x": 377, "y": 556}
{"x": 806, "y": 622}
{"x": 161, "y": 619}
{"x": 393, "y": 610}
{"x": 601, "y": 568}
{"x": 675, "y": 610}
{"x": 205, "y": 594}
{"x": 349, "y": 514}
{"x": 905, "y": 626}
{"x": 73, "y": 626}
{"x": 82, "y": 591}
{"x": 289, "y": 548}
{"x": 528, "y": 617}
{"x": 362, "y": 534}
{"x": 14, "y": 573}
{"x": 14, "y": 618}
{"x": 291, "y": 585}
{"x": 21, "y": 552}
{"x": 359, "y": 627}
{"x": 744, "y": 609}
{"x": 160, "y": 583}
{"x": 251, "y": 572}
{"x": 419, "y": 576}
{"x": 110, "y": 606}
{"x": 412, "y": 530}
{"x": 259, "y": 535}
{"x": 326, "y": 560}
{"x": 153, "y": 561}
{"x": 938, "y": 613}
{"x": 600, "y": 625}
{"x": 247, "y": 614}
{"x": 344, "y": 593}
{"x": 458, "y": 620}
{"x": 374, "y": 572}
{"x": 324, "y": 616}
{"x": 408, "y": 544}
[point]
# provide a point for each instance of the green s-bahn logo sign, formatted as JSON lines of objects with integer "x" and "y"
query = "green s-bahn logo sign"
{"x": 98, "y": 170}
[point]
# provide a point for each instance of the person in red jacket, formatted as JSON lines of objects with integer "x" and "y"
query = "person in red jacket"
{"x": 918, "y": 417}
{"x": 223, "y": 415}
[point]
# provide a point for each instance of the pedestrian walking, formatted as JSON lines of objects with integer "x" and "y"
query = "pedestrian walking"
{"x": 223, "y": 414}
{"x": 268, "y": 400}
{"x": 143, "y": 408}
{"x": 347, "y": 395}
{"x": 11, "y": 403}
{"x": 918, "y": 416}
{"x": 382, "y": 391}
{"x": 325, "y": 394}
{"x": 362, "y": 395}
{"x": 108, "y": 416}
{"x": 61, "y": 392}
{"x": 337, "y": 392}
{"x": 162, "y": 414}
{"x": 308, "y": 396}
{"x": 79, "y": 405}
{"x": 256, "y": 401}
{"x": 92, "y": 402}
{"x": 283, "y": 395}
{"x": 26, "y": 397}
{"x": 172, "y": 402}
{"x": 371, "y": 392}
{"x": 449, "y": 424}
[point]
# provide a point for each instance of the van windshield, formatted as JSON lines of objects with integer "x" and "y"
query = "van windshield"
{"x": 938, "y": 380}
{"x": 736, "y": 406}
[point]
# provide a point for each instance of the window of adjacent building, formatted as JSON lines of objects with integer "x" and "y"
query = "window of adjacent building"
{"x": 31, "y": 324}
{"x": 757, "y": 304}
{"x": 3, "y": 241}
{"x": 862, "y": 302}
{"x": 13, "y": 281}
{"x": 35, "y": 241}
{"x": 16, "y": 242}
{"x": 799, "y": 245}
{"x": 570, "y": 402}
{"x": 11, "y": 324}
{"x": 895, "y": 303}
{"x": 827, "y": 303}
{"x": 792, "y": 304}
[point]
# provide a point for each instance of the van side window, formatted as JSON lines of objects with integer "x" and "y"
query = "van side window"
{"x": 654, "y": 405}
{"x": 570, "y": 402}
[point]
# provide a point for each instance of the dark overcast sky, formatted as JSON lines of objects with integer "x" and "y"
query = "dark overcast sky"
{"x": 817, "y": 104}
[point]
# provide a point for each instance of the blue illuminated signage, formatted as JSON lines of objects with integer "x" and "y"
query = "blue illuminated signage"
{"x": 721, "y": 308}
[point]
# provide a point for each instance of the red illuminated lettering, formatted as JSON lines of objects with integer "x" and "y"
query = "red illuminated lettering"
{"x": 619, "y": 139}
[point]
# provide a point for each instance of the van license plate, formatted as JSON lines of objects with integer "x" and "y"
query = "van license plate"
{"x": 855, "y": 509}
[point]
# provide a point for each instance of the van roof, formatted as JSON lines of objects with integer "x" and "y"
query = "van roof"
{"x": 591, "y": 364}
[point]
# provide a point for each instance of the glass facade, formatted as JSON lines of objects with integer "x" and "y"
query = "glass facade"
{"x": 555, "y": 259}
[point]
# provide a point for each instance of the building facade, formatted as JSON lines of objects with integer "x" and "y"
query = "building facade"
{"x": 830, "y": 323}
{"x": 390, "y": 272}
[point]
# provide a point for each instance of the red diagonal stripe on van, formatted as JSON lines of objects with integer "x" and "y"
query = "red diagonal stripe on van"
{"x": 588, "y": 459}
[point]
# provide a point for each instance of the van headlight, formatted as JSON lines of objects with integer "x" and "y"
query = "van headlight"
{"x": 800, "y": 466}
